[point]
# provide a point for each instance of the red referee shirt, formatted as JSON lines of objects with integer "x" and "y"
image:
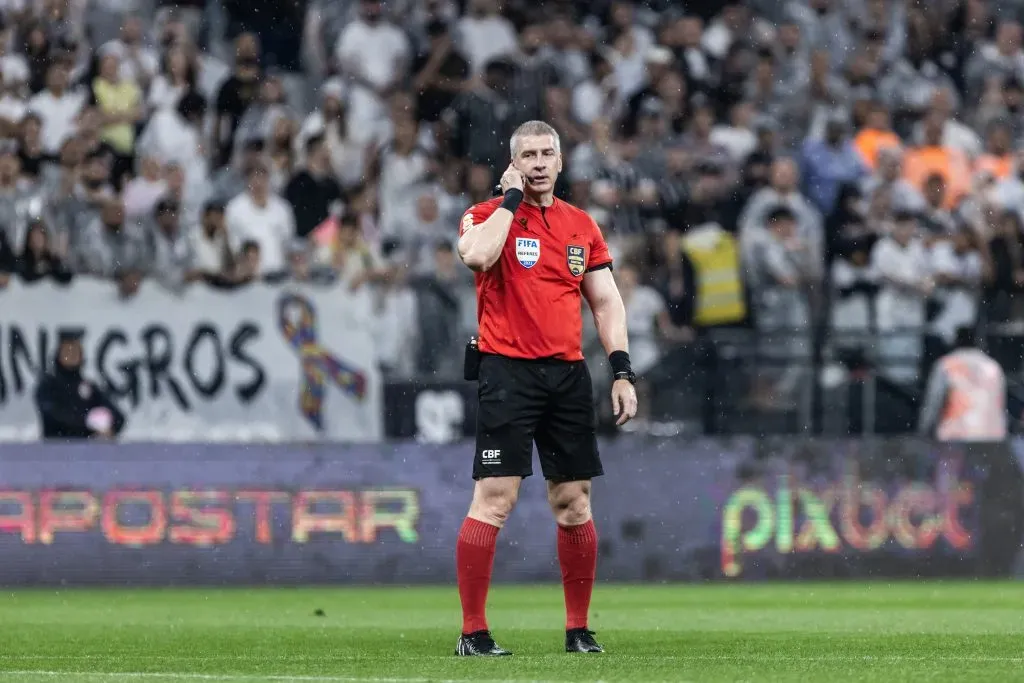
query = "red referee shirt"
{"x": 529, "y": 303}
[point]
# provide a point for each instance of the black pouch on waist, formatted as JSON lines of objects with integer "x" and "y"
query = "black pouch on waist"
{"x": 471, "y": 366}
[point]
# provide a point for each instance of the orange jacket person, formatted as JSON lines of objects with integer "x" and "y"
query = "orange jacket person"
{"x": 534, "y": 256}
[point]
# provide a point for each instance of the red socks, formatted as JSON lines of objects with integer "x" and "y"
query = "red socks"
{"x": 577, "y": 554}
{"x": 474, "y": 559}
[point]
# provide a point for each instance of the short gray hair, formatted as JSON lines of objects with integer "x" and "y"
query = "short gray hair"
{"x": 531, "y": 128}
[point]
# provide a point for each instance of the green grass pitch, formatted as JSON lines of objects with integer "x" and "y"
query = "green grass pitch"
{"x": 806, "y": 632}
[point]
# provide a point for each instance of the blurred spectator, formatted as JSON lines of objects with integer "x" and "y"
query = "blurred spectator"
{"x": 375, "y": 55}
{"x": 400, "y": 167}
{"x": 888, "y": 184}
{"x": 783, "y": 265}
{"x": 955, "y": 135}
{"x": 173, "y": 263}
{"x": 783, "y": 190}
{"x": 737, "y": 135}
{"x": 484, "y": 34}
{"x": 438, "y": 312}
{"x": 439, "y": 74}
{"x": 331, "y": 120}
{"x": 933, "y": 157}
{"x": 342, "y": 248}
{"x": 70, "y": 406}
{"x": 257, "y": 216}
{"x": 313, "y": 190}
{"x": 57, "y": 107}
{"x": 111, "y": 248}
{"x": 176, "y": 135}
{"x": 1003, "y": 288}
{"x": 142, "y": 192}
{"x": 875, "y": 135}
{"x": 30, "y": 150}
{"x": 959, "y": 268}
{"x": 39, "y": 259}
{"x": 997, "y": 160}
{"x": 236, "y": 94}
{"x": 177, "y": 76}
{"x": 901, "y": 262}
{"x": 479, "y": 123}
{"x": 648, "y": 322}
{"x": 597, "y": 95}
{"x": 829, "y": 163}
{"x": 210, "y": 245}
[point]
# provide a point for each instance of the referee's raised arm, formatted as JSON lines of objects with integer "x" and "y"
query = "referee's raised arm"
{"x": 480, "y": 245}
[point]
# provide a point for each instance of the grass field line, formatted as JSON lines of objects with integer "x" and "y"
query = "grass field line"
{"x": 230, "y": 678}
{"x": 759, "y": 657}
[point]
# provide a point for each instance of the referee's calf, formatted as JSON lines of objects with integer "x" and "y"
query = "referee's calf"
{"x": 533, "y": 256}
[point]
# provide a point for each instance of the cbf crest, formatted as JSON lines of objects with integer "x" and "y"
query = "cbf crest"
{"x": 574, "y": 256}
{"x": 527, "y": 251}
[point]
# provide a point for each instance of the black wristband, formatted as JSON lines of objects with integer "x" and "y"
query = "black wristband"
{"x": 513, "y": 197}
{"x": 619, "y": 360}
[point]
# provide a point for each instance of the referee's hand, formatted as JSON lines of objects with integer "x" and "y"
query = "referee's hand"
{"x": 623, "y": 401}
{"x": 512, "y": 178}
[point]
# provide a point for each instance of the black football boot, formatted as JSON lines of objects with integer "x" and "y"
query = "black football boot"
{"x": 581, "y": 640}
{"x": 479, "y": 644}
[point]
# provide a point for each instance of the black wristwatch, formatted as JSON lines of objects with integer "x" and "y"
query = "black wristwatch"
{"x": 629, "y": 376}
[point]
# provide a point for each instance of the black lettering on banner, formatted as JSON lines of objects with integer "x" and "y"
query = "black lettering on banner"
{"x": 159, "y": 346}
{"x": 129, "y": 369}
{"x": 243, "y": 336}
{"x": 19, "y": 353}
{"x": 210, "y": 387}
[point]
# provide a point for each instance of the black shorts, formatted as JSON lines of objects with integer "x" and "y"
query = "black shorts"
{"x": 549, "y": 402}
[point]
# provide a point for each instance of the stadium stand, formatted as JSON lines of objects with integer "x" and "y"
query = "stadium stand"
{"x": 805, "y": 199}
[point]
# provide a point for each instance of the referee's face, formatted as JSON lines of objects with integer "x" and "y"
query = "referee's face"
{"x": 538, "y": 160}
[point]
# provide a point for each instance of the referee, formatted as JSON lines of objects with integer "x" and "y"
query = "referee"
{"x": 533, "y": 256}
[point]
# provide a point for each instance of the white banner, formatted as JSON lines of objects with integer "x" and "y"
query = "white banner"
{"x": 283, "y": 363}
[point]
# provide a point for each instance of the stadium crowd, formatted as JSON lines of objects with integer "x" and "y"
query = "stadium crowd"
{"x": 789, "y": 164}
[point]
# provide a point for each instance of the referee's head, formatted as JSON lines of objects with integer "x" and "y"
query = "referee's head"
{"x": 537, "y": 154}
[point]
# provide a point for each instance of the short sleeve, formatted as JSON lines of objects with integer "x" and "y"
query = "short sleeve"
{"x": 474, "y": 216}
{"x": 600, "y": 257}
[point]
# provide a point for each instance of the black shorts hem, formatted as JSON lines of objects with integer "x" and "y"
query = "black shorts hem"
{"x": 477, "y": 476}
{"x": 565, "y": 478}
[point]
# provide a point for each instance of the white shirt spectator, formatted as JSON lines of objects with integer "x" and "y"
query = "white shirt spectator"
{"x": 12, "y": 109}
{"x": 210, "y": 252}
{"x": 272, "y": 226}
{"x": 169, "y": 138}
{"x": 481, "y": 39}
{"x": 163, "y": 95}
{"x": 955, "y": 135}
{"x": 900, "y": 270}
{"x": 959, "y": 303}
{"x": 851, "y": 314}
{"x": 139, "y": 66}
{"x": 642, "y": 311}
{"x": 375, "y": 53}
{"x": 58, "y": 115}
{"x": 739, "y": 142}
{"x": 592, "y": 100}
{"x": 398, "y": 176}
{"x": 14, "y": 69}
{"x": 903, "y": 273}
